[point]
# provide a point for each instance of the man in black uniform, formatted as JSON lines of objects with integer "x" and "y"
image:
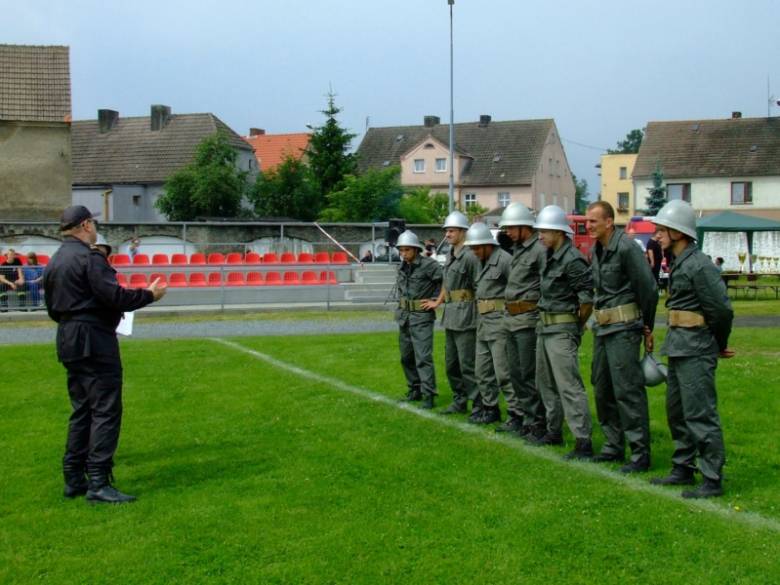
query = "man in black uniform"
{"x": 85, "y": 299}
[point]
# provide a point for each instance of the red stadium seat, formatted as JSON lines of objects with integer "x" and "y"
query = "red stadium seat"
{"x": 305, "y": 258}
{"x": 43, "y": 259}
{"x": 138, "y": 281}
{"x": 272, "y": 278}
{"x": 141, "y": 259}
{"x": 197, "y": 258}
{"x": 215, "y": 279}
{"x": 198, "y": 279}
{"x": 234, "y": 258}
{"x": 179, "y": 259}
{"x": 3, "y": 258}
{"x": 309, "y": 277}
{"x": 121, "y": 260}
{"x": 254, "y": 279}
{"x": 253, "y": 258}
{"x": 122, "y": 279}
{"x": 321, "y": 258}
{"x": 235, "y": 279}
{"x": 178, "y": 279}
{"x": 324, "y": 278}
{"x": 22, "y": 259}
{"x": 160, "y": 259}
{"x": 157, "y": 275}
{"x": 287, "y": 258}
{"x": 216, "y": 258}
{"x": 291, "y": 278}
{"x": 340, "y": 258}
{"x": 270, "y": 258}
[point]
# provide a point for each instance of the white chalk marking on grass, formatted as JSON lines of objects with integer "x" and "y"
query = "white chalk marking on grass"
{"x": 749, "y": 518}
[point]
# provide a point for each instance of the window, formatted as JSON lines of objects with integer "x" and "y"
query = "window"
{"x": 555, "y": 200}
{"x": 549, "y": 166}
{"x": 470, "y": 199}
{"x": 566, "y": 204}
{"x": 624, "y": 172}
{"x": 622, "y": 202}
{"x": 679, "y": 191}
{"x": 558, "y": 168}
{"x": 503, "y": 199}
{"x": 419, "y": 165}
{"x": 741, "y": 193}
{"x": 441, "y": 165}
{"x": 542, "y": 203}
{"x": 137, "y": 200}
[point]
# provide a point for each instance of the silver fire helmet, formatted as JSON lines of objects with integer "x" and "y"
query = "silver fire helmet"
{"x": 516, "y": 214}
{"x": 553, "y": 217}
{"x": 101, "y": 241}
{"x": 653, "y": 371}
{"x": 456, "y": 220}
{"x": 678, "y": 215}
{"x": 479, "y": 234}
{"x": 409, "y": 240}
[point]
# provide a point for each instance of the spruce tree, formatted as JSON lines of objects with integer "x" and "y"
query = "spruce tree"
{"x": 328, "y": 154}
{"x": 656, "y": 197}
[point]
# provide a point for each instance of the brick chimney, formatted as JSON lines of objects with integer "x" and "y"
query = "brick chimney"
{"x": 256, "y": 132}
{"x": 431, "y": 121}
{"x": 736, "y": 115}
{"x": 484, "y": 120}
{"x": 160, "y": 116}
{"x": 107, "y": 119}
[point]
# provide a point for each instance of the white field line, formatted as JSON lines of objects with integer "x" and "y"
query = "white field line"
{"x": 751, "y": 519}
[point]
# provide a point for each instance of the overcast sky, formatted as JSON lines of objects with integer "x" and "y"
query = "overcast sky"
{"x": 600, "y": 69}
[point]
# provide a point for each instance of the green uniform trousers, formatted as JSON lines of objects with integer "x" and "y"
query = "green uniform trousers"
{"x": 416, "y": 345}
{"x": 692, "y": 413}
{"x": 619, "y": 389}
{"x": 521, "y": 352}
{"x": 560, "y": 384}
{"x": 492, "y": 368}
{"x": 459, "y": 355}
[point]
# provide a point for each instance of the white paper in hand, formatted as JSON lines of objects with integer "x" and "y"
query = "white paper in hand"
{"x": 125, "y": 326}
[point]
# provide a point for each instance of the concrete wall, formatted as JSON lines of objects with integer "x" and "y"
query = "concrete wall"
{"x": 35, "y": 170}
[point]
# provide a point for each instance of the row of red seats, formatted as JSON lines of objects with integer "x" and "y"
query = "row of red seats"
{"x": 199, "y": 279}
{"x": 232, "y": 258}
{"x": 43, "y": 259}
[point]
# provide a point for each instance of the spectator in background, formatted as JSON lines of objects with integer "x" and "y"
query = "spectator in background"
{"x": 655, "y": 255}
{"x": 11, "y": 278}
{"x": 369, "y": 257}
{"x": 719, "y": 264}
{"x": 430, "y": 248}
{"x": 132, "y": 250}
{"x": 640, "y": 243}
{"x": 33, "y": 280}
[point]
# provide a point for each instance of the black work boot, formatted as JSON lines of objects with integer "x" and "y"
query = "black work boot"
{"x": 609, "y": 458}
{"x": 414, "y": 395}
{"x": 532, "y": 432}
{"x": 454, "y": 408}
{"x": 427, "y": 403}
{"x": 101, "y": 491}
{"x": 514, "y": 423}
{"x": 679, "y": 475}
{"x": 488, "y": 415}
{"x": 639, "y": 466}
{"x": 548, "y": 438}
{"x": 709, "y": 488}
{"x": 583, "y": 450}
{"x": 477, "y": 406}
{"x": 76, "y": 483}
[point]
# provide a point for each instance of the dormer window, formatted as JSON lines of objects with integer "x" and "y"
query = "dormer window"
{"x": 429, "y": 145}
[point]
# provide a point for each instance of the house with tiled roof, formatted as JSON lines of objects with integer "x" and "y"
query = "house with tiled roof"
{"x": 495, "y": 163}
{"x": 716, "y": 165}
{"x": 120, "y": 165}
{"x": 272, "y": 149}
{"x": 35, "y": 113}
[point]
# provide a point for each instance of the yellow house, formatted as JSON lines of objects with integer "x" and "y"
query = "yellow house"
{"x": 616, "y": 185}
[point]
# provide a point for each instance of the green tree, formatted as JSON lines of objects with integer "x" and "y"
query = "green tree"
{"x": 472, "y": 211}
{"x": 656, "y": 197}
{"x": 372, "y": 196}
{"x": 328, "y": 154}
{"x": 631, "y": 144}
{"x": 581, "y": 194}
{"x": 289, "y": 189}
{"x": 419, "y": 206}
{"x": 211, "y": 185}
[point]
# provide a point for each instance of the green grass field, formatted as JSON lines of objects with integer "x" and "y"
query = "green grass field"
{"x": 286, "y": 460}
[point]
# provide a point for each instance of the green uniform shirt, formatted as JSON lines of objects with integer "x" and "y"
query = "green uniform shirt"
{"x": 491, "y": 284}
{"x": 566, "y": 283}
{"x": 622, "y": 275}
{"x": 696, "y": 285}
{"x": 460, "y": 272}
{"x": 524, "y": 281}
{"x": 417, "y": 281}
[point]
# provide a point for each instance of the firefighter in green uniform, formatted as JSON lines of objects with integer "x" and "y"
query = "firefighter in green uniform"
{"x": 700, "y": 317}
{"x": 565, "y": 305}
{"x": 524, "y": 405}
{"x": 491, "y": 364}
{"x": 625, "y": 304}
{"x": 460, "y": 315}
{"x": 418, "y": 280}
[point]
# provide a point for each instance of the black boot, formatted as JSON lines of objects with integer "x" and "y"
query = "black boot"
{"x": 709, "y": 488}
{"x": 548, "y": 438}
{"x": 532, "y": 432}
{"x": 477, "y": 406}
{"x": 583, "y": 450}
{"x": 604, "y": 457}
{"x": 427, "y": 403}
{"x": 414, "y": 395}
{"x": 488, "y": 415}
{"x": 679, "y": 475}
{"x": 101, "y": 490}
{"x": 76, "y": 483}
{"x": 514, "y": 423}
{"x": 454, "y": 408}
{"x": 641, "y": 465}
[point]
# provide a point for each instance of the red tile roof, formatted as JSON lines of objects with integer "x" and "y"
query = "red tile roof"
{"x": 271, "y": 149}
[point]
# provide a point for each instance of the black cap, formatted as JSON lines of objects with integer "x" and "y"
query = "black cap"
{"x": 73, "y": 216}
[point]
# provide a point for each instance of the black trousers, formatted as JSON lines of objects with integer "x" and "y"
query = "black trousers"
{"x": 95, "y": 389}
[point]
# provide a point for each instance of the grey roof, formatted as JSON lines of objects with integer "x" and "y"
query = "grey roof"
{"x": 519, "y": 143}
{"x": 34, "y": 83}
{"x": 132, "y": 153}
{"x": 711, "y": 148}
